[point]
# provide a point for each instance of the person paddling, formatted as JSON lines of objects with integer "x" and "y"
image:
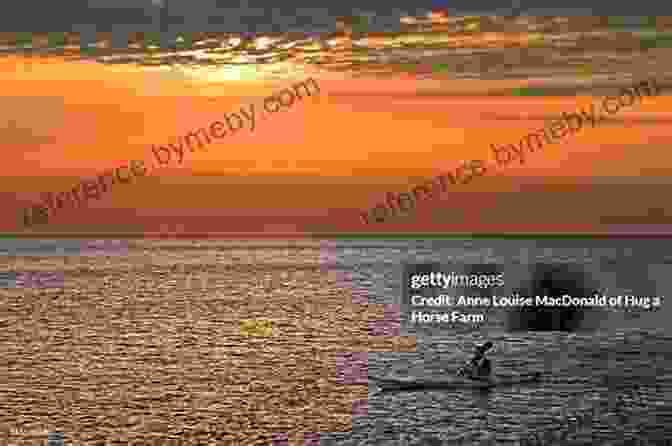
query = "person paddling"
{"x": 478, "y": 367}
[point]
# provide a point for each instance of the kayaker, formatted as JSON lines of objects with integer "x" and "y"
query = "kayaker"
{"x": 479, "y": 367}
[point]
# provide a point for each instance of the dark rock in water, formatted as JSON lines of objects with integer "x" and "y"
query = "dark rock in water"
{"x": 553, "y": 280}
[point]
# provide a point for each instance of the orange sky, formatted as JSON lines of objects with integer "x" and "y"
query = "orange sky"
{"x": 357, "y": 140}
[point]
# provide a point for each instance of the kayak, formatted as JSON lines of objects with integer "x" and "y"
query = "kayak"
{"x": 454, "y": 382}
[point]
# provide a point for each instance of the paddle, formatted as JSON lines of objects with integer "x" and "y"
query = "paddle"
{"x": 483, "y": 349}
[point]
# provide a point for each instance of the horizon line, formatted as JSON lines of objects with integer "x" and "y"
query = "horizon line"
{"x": 336, "y": 235}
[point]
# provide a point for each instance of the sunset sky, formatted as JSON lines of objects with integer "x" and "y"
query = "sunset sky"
{"x": 316, "y": 165}
{"x": 62, "y": 15}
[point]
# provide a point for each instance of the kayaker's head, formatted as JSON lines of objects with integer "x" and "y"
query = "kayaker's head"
{"x": 485, "y": 347}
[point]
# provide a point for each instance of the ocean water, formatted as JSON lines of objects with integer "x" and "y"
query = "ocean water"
{"x": 148, "y": 343}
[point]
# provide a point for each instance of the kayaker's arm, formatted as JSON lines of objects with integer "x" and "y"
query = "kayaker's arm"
{"x": 477, "y": 361}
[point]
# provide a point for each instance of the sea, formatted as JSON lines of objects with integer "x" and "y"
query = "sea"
{"x": 143, "y": 341}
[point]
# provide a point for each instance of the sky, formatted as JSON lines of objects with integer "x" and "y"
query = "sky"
{"x": 63, "y": 119}
{"x": 61, "y": 16}
{"x": 315, "y": 166}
